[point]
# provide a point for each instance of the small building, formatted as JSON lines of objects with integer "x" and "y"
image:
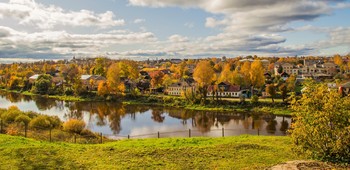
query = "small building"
{"x": 225, "y": 90}
{"x": 345, "y": 88}
{"x": 55, "y": 79}
{"x": 176, "y": 89}
{"x": 91, "y": 82}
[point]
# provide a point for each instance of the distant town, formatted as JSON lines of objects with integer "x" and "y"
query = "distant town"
{"x": 221, "y": 77}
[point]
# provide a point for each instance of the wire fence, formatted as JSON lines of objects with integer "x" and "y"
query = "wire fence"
{"x": 198, "y": 133}
{"x": 88, "y": 137}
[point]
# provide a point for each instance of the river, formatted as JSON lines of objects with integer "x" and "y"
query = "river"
{"x": 118, "y": 121}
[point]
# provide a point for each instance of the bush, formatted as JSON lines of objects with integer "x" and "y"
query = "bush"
{"x": 322, "y": 124}
{"x": 22, "y": 119}
{"x": 254, "y": 100}
{"x": 74, "y": 126}
{"x": 44, "y": 122}
{"x": 10, "y": 115}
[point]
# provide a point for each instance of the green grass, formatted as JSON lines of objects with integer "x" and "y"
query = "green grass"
{"x": 241, "y": 152}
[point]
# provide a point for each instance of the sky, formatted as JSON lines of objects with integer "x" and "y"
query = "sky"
{"x": 32, "y": 30}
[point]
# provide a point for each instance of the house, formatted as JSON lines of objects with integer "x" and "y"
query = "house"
{"x": 225, "y": 90}
{"x": 176, "y": 89}
{"x": 284, "y": 76}
{"x": 56, "y": 79}
{"x": 91, "y": 82}
{"x": 345, "y": 89}
{"x": 33, "y": 78}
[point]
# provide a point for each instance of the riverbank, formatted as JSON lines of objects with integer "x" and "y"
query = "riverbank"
{"x": 225, "y": 104}
{"x": 241, "y": 152}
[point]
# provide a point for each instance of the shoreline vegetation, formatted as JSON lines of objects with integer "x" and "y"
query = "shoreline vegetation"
{"x": 279, "y": 108}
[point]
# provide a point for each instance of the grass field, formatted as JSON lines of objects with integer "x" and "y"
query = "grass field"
{"x": 241, "y": 152}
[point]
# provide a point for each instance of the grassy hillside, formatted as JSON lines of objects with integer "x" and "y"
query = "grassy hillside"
{"x": 242, "y": 152}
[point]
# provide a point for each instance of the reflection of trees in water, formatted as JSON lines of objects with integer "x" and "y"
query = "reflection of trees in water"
{"x": 204, "y": 121}
{"x": 44, "y": 103}
{"x": 115, "y": 116}
{"x": 284, "y": 125}
{"x": 27, "y": 98}
{"x": 271, "y": 126}
{"x": 13, "y": 97}
{"x": 157, "y": 115}
{"x": 181, "y": 114}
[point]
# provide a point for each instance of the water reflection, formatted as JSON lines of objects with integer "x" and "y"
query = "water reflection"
{"x": 118, "y": 119}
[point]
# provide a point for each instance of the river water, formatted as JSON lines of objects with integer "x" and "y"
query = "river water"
{"x": 118, "y": 121}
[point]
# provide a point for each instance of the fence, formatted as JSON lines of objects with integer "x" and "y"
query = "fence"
{"x": 197, "y": 133}
{"x": 57, "y": 135}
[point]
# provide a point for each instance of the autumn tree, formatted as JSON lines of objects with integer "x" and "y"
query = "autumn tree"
{"x": 291, "y": 83}
{"x": 271, "y": 90}
{"x": 284, "y": 91}
{"x": 225, "y": 74}
{"x": 167, "y": 81}
{"x": 256, "y": 73}
{"x": 156, "y": 78}
{"x": 204, "y": 75}
{"x": 321, "y": 126}
{"x": 113, "y": 77}
{"x": 245, "y": 71}
{"x": 102, "y": 89}
{"x": 99, "y": 68}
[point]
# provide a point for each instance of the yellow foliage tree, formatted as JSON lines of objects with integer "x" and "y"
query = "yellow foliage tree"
{"x": 245, "y": 71}
{"x": 113, "y": 77}
{"x": 256, "y": 73}
{"x": 204, "y": 75}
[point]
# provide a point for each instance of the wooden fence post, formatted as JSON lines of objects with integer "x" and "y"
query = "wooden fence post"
{"x": 158, "y": 134}
{"x": 0, "y": 125}
{"x": 50, "y": 135}
{"x": 128, "y": 136}
{"x": 25, "y": 130}
{"x": 223, "y": 132}
{"x": 189, "y": 133}
{"x": 101, "y": 138}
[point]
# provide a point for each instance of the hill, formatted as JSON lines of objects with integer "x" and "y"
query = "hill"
{"x": 241, "y": 152}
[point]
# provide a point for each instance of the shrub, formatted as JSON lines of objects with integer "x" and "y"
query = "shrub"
{"x": 44, "y": 122}
{"x": 74, "y": 126}
{"x": 322, "y": 124}
{"x": 10, "y": 115}
{"x": 254, "y": 100}
{"x": 22, "y": 119}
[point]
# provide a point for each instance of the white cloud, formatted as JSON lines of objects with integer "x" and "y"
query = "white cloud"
{"x": 178, "y": 38}
{"x": 138, "y": 21}
{"x": 16, "y": 43}
{"x": 189, "y": 24}
{"x": 29, "y": 12}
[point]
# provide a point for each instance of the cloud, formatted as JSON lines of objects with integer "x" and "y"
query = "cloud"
{"x": 16, "y": 43}
{"x": 250, "y": 15}
{"x": 189, "y": 24}
{"x": 252, "y": 26}
{"x": 178, "y": 38}
{"x": 29, "y": 12}
{"x": 138, "y": 21}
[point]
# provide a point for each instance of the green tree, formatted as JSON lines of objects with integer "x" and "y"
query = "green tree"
{"x": 271, "y": 90}
{"x": 284, "y": 91}
{"x": 322, "y": 123}
{"x": 99, "y": 68}
{"x": 43, "y": 84}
